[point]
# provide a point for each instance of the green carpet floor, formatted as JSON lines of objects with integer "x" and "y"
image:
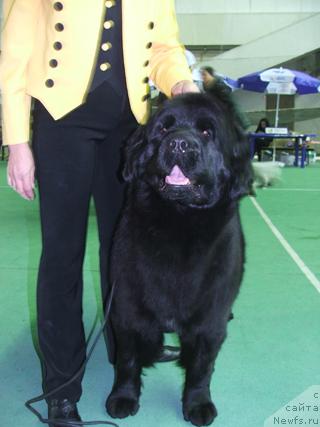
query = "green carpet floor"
{"x": 272, "y": 351}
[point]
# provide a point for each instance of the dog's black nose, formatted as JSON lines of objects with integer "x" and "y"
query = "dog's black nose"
{"x": 179, "y": 145}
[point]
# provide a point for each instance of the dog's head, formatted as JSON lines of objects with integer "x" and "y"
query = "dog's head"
{"x": 192, "y": 151}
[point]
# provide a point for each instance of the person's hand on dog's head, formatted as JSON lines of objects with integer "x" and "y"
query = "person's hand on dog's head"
{"x": 185, "y": 86}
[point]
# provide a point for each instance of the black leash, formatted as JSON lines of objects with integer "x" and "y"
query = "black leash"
{"x": 61, "y": 422}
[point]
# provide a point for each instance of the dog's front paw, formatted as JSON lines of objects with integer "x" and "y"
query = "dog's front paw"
{"x": 200, "y": 414}
{"x": 121, "y": 407}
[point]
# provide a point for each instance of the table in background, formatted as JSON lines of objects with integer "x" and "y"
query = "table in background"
{"x": 299, "y": 142}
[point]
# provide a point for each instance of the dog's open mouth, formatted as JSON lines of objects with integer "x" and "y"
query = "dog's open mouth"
{"x": 178, "y": 187}
{"x": 177, "y": 177}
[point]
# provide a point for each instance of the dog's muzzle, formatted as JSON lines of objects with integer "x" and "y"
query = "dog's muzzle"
{"x": 182, "y": 143}
{"x": 178, "y": 145}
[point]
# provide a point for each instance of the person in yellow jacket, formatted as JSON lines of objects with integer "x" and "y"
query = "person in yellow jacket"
{"x": 84, "y": 66}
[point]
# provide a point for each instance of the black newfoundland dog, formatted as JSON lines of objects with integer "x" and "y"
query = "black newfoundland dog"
{"x": 178, "y": 254}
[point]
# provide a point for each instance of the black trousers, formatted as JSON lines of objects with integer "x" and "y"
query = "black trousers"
{"x": 76, "y": 157}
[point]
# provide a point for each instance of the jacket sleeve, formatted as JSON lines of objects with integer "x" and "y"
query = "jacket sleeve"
{"x": 168, "y": 61}
{"x": 17, "y": 38}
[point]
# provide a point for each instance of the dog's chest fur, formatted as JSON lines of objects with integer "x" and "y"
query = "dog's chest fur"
{"x": 175, "y": 263}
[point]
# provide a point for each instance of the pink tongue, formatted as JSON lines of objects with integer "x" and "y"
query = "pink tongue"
{"x": 176, "y": 177}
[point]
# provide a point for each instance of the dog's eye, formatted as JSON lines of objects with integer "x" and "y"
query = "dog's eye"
{"x": 205, "y": 126}
{"x": 164, "y": 130}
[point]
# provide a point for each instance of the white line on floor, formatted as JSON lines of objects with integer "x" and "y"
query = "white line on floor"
{"x": 305, "y": 270}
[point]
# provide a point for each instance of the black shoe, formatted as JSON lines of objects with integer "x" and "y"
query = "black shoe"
{"x": 63, "y": 410}
{"x": 169, "y": 354}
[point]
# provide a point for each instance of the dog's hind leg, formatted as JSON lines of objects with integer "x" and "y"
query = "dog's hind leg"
{"x": 198, "y": 354}
{"x": 134, "y": 351}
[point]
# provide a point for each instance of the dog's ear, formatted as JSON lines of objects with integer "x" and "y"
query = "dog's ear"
{"x": 242, "y": 173}
{"x": 224, "y": 93}
{"x": 133, "y": 154}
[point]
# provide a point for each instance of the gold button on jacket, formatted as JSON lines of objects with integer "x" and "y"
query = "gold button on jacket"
{"x": 31, "y": 38}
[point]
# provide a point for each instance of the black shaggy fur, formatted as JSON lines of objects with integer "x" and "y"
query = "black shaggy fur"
{"x": 178, "y": 252}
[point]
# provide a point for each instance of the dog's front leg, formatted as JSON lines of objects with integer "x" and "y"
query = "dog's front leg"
{"x": 135, "y": 350}
{"x": 198, "y": 354}
{"x": 124, "y": 397}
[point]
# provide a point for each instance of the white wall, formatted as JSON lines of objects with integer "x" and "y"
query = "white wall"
{"x": 231, "y": 28}
{"x": 247, "y": 6}
{"x": 275, "y": 48}
{"x": 311, "y": 126}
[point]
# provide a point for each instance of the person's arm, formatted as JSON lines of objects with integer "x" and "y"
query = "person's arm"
{"x": 169, "y": 68}
{"x": 20, "y": 172}
{"x": 17, "y": 40}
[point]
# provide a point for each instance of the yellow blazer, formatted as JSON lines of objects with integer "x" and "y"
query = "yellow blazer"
{"x": 28, "y": 38}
